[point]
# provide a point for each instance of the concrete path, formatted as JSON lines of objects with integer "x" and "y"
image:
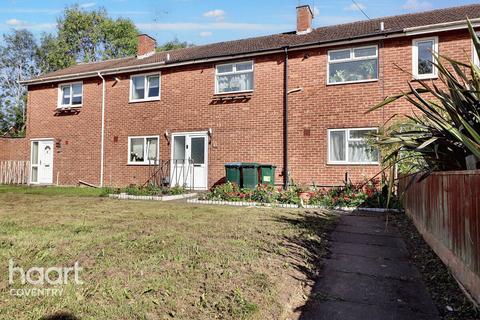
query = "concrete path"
{"x": 368, "y": 276}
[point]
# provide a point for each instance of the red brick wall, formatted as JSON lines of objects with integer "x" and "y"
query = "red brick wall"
{"x": 13, "y": 149}
{"x": 249, "y": 130}
{"x": 76, "y": 135}
{"x": 145, "y": 44}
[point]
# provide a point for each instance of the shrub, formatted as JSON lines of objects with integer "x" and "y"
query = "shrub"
{"x": 265, "y": 194}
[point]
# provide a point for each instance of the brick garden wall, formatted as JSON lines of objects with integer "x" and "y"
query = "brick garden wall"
{"x": 14, "y": 149}
{"x": 243, "y": 130}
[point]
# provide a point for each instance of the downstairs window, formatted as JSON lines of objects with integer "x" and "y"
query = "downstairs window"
{"x": 143, "y": 150}
{"x": 350, "y": 146}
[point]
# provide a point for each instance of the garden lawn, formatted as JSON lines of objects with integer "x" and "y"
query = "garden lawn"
{"x": 152, "y": 260}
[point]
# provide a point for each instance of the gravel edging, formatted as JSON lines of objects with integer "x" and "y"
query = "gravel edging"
{"x": 288, "y": 206}
{"x": 451, "y": 302}
{"x": 124, "y": 196}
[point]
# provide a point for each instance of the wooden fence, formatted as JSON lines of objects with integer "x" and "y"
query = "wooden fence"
{"x": 445, "y": 208}
{"x": 14, "y": 172}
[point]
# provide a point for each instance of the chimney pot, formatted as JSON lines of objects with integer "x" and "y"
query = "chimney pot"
{"x": 146, "y": 46}
{"x": 304, "y": 19}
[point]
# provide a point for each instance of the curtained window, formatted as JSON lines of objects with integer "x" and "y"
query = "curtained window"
{"x": 234, "y": 77}
{"x": 143, "y": 150}
{"x": 350, "y": 146}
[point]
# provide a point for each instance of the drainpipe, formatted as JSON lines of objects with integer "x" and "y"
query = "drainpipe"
{"x": 286, "y": 176}
{"x": 102, "y": 141}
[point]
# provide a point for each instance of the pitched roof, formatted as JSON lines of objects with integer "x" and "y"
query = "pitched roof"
{"x": 335, "y": 33}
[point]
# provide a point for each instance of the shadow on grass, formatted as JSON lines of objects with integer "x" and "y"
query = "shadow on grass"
{"x": 60, "y": 316}
{"x": 306, "y": 249}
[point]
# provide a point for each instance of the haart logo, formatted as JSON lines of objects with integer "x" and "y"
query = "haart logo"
{"x": 38, "y": 276}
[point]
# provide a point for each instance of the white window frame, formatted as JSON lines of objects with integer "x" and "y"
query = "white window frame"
{"x": 145, "y": 150}
{"x": 415, "y": 58}
{"x": 146, "y": 88}
{"x": 474, "y": 53}
{"x": 60, "y": 104}
{"x": 352, "y": 58}
{"x": 347, "y": 139}
{"x": 234, "y": 72}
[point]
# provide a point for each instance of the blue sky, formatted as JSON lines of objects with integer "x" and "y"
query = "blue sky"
{"x": 206, "y": 21}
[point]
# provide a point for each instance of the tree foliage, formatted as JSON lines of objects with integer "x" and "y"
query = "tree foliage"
{"x": 18, "y": 61}
{"x": 87, "y": 36}
{"x": 174, "y": 44}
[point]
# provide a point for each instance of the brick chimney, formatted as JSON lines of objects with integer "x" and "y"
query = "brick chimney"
{"x": 304, "y": 19}
{"x": 146, "y": 45}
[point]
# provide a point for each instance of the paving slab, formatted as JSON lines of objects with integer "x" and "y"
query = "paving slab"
{"x": 369, "y": 251}
{"x": 386, "y": 268}
{"x": 380, "y": 291}
{"x": 350, "y": 237}
{"x": 368, "y": 275}
{"x": 372, "y": 230}
{"x": 342, "y": 310}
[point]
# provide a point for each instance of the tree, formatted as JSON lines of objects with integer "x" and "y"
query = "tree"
{"x": 86, "y": 36}
{"x": 18, "y": 61}
{"x": 174, "y": 44}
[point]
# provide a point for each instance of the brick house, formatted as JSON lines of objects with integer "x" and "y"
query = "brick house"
{"x": 296, "y": 100}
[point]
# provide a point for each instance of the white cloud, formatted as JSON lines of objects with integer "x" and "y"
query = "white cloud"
{"x": 358, "y": 7}
{"x": 205, "y": 34}
{"x": 316, "y": 11}
{"x": 24, "y": 10}
{"x": 88, "y": 4}
{"x": 21, "y": 24}
{"x": 217, "y": 14}
{"x": 416, "y": 5}
{"x": 15, "y": 22}
{"x": 212, "y": 26}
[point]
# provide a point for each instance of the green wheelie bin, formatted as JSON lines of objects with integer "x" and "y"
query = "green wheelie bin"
{"x": 249, "y": 175}
{"x": 232, "y": 172}
{"x": 267, "y": 174}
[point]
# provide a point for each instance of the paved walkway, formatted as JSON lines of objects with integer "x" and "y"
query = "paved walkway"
{"x": 368, "y": 276}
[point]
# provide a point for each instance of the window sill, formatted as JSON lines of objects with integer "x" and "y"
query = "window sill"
{"x": 77, "y": 106}
{"x": 141, "y": 164}
{"x": 144, "y": 100}
{"x": 429, "y": 77}
{"x": 351, "y": 82}
{"x": 336, "y": 164}
{"x": 235, "y": 93}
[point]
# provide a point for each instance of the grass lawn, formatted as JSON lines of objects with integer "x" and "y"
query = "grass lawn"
{"x": 152, "y": 260}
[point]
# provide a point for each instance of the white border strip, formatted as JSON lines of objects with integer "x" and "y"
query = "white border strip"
{"x": 283, "y": 205}
{"x": 124, "y": 196}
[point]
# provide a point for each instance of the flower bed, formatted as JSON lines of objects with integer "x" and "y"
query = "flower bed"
{"x": 370, "y": 195}
{"x": 147, "y": 191}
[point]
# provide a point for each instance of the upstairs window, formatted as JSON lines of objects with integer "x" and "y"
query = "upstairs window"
{"x": 234, "y": 77}
{"x": 475, "y": 55}
{"x": 145, "y": 87}
{"x": 353, "y": 65}
{"x": 350, "y": 146}
{"x": 423, "y": 56}
{"x": 143, "y": 150}
{"x": 70, "y": 95}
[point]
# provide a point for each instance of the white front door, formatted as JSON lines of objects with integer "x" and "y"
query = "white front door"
{"x": 189, "y": 165}
{"x": 42, "y": 162}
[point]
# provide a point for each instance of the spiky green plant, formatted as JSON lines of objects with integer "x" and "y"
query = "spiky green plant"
{"x": 447, "y": 129}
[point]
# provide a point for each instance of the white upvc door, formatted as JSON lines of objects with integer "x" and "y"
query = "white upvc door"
{"x": 189, "y": 165}
{"x": 41, "y": 159}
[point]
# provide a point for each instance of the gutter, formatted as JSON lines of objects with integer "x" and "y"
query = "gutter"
{"x": 102, "y": 135}
{"x": 442, "y": 27}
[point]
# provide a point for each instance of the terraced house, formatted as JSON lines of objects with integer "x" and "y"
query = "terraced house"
{"x": 296, "y": 100}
